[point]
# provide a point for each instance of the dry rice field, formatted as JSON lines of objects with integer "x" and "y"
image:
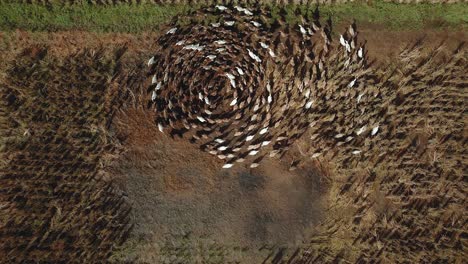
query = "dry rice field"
{"x": 85, "y": 175}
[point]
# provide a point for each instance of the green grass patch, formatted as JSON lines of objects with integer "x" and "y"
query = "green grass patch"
{"x": 147, "y": 17}
{"x": 402, "y": 16}
{"x": 117, "y": 18}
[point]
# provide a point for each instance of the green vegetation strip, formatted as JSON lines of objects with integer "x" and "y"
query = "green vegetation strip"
{"x": 146, "y": 17}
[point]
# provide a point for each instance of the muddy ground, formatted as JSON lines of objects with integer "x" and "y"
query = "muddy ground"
{"x": 181, "y": 194}
{"x": 185, "y": 207}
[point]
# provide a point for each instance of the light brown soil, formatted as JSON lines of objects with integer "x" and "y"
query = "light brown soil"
{"x": 383, "y": 44}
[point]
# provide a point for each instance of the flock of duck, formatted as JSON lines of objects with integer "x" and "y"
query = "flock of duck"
{"x": 245, "y": 85}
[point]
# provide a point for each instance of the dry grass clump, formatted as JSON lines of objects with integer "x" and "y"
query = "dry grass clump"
{"x": 56, "y": 206}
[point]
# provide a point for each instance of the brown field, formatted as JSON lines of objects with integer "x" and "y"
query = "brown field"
{"x": 87, "y": 176}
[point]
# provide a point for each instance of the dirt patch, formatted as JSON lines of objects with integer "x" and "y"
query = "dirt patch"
{"x": 174, "y": 187}
{"x": 383, "y": 43}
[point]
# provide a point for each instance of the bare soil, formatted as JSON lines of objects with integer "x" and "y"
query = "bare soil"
{"x": 383, "y": 44}
{"x": 174, "y": 188}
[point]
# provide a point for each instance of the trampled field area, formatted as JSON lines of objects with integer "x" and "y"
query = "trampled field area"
{"x": 361, "y": 154}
